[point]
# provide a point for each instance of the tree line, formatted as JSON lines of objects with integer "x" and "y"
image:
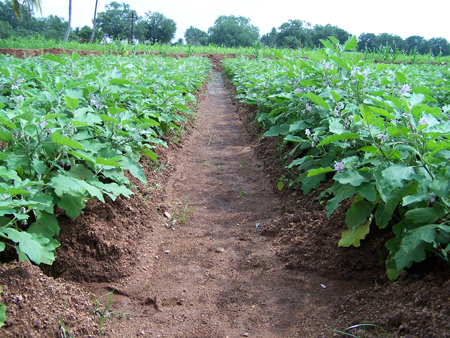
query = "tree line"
{"x": 119, "y": 21}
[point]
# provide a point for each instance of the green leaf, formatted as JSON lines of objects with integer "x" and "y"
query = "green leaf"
{"x": 414, "y": 245}
{"x": 341, "y": 137}
{"x": 351, "y": 43}
{"x": 358, "y": 213}
{"x": 424, "y": 215}
{"x": 318, "y": 171}
{"x": 277, "y": 130}
{"x": 394, "y": 175}
{"x": 72, "y": 203}
{"x": 65, "y": 141}
{"x": 341, "y": 62}
{"x": 71, "y": 103}
{"x": 354, "y": 237}
{"x": 55, "y": 58}
{"x": 149, "y": 153}
{"x": 342, "y": 193}
{"x": 317, "y": 99}
{"x": 38, "y": 249}
{"x": 9, "y": 174}
{"x": 134, "y": 168}
{"x": 350, "y": 176}
{"x": 382, "y": 216}
{"x": 46, "y": 225}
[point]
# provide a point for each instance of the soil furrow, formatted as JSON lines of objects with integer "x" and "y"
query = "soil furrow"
{"x": 212, "y": 273}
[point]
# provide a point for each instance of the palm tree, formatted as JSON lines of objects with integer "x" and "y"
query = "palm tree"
{"x": 95, "y": 17}
{"x": 32, "y": 4}
{"x": 70, "y": 22}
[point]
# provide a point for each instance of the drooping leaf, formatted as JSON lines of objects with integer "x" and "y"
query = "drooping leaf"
{"x": 354, "y": 237}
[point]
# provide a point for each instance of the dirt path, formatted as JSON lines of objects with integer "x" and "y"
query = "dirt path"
{"x": 216, "y": 276}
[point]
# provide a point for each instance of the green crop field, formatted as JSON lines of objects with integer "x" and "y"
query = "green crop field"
{"x": 380, "y": 131}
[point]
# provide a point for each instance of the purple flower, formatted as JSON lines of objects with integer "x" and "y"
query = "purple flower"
{"x": 382, "y": 137}
{"x": 297, "y": 90}
{"x": 308, "y": 107}
{"x": 43, "y": 124}
{"x": 14, "y": 87}
{"x": 405, "y": 89}
{"x": 307, "y": 132}
{"x": 339, "y": 167}
{"x": 313, "y": 88}
{"x": 20, "y": 98}
{"x": 424, "y": 120}
{"x": 432, "y": 198}
{"x": 27, "y": 188}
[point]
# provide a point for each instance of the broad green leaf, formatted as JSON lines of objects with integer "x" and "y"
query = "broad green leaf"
{"x": 9, "y": 174}
{"x": 318, "y": 171}
{"x": 149, "y": 153}
{"x": 394, "y": 175}
{"x": 353, "y": 177}
{"x": 341, "y": 137}
{"x": 344, "y": 192}
{"x": 55, "y": 58}
{"x": 278, "y": 130}
{"x": 46, "y": 225}
{"x": 39, "y": 249}
{"x": 65, "y": 141}
{"x": 382, "y": 216}
{"x": 354, "y": 237}
{"x": 71, "y": 103}
{"x": 351, "y": 43}
{"x": 424, "y": 215}
{"x": 72, "y": 203}
{"x": 358, "y": 213}
{"x": 317, "y": 99}
{"x": 134, "y": 168}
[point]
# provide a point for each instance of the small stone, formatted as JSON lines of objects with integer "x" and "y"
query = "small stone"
{"x": 323, "y": 286}
{"x": 245, "y": 334}
{"x": 169, "y": 216}
{"x": 167, "y": 251}
{"x": 220, "y": 250}
{"x": 184, "y": 290}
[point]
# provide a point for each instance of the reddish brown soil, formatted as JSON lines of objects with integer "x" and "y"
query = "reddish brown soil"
{"x": 247, "y": 261}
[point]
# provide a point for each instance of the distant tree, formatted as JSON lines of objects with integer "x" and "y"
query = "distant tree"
{"x": 158, "y": 28}
{"x": 115, "y": 21}
{"x": 439, "y": 45}
{"x": 414, "y": 41}
{"x": 233, "y": 31}
{"x": 91, "y": 39}
{"x": 323, "y": 32}
{"x": 293, "y": 34}
{"x": 368, "y": 40}
{"x": 270, "y": 39}
{"x": 30, "y": 4}
{"x": 193, "y": 35}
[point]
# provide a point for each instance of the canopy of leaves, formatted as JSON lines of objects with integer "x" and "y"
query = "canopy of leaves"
{"x": 233, "y": 31}
{"x": 158, "y": 28}
{"x": 115, "y": 21}
{"x": 195, "y": 36}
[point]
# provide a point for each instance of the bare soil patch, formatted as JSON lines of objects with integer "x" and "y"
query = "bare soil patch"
{"x": 246, "y": 261}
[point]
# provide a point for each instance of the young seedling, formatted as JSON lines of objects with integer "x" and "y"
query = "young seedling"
{"x": 105, "y": 312}
{"x": 180, "y": 216}
{"x": 65, "y": 332}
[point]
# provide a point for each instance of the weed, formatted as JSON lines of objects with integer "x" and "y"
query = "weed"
{"x": 65, "y": 332}
{"x": 180, "y": 216}
{"x": 210, "y": 138}
{"x": 364, "y": 326}
{"x": 105, "y": 312}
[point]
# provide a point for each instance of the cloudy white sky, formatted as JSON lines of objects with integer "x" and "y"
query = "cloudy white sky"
{"x": 427, "y": 18}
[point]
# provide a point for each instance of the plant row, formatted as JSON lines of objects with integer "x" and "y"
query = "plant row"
{"x": 379, "y": 131}
{"x": 69, "y": 129}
